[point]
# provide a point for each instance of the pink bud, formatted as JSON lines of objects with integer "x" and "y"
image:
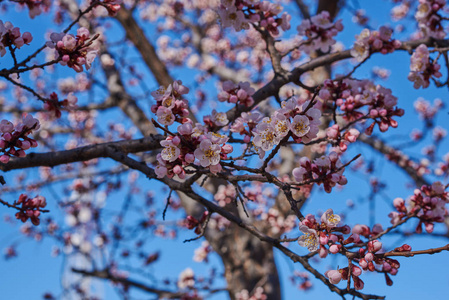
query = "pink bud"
{"x": 176, "y": 140}
{"x": 363, "y": 263}
{"x": 7, "y": 136}
{"x": 383, "y": 126}
{"x": 227, "y": 149}
{"x": 399, "y": 204}
{"x": 333, "y": 238}
{"x": 27, "y": 37}
{"x": 358, "y": 283}
{"x": 189, "y": 158}
{"x": 346, "y": 229}
{"x": 21, "y": 153}
{"x": 376, "y": 245}
{"x": 177, "y": 169}
{"x": 377, "y": 228}
{"x": 374, "y": 113}
{"x": 369, "y": 257}
{"x": 242, "y": 94}
{"x": 4, "y": 159}
{"x": 334, "y": 248}
{"x": 25, "y": 145}
{"x": 322, "y": 252}
{"x": 393, "y": 123}
{"x": 233, "y": 99}
{"x": 393, "y": 271}
{"x": 386, "y": 267}
{"x": 324, "y": 239}
{"x": 334, "y": 276}
{"x": 356, "y": 271}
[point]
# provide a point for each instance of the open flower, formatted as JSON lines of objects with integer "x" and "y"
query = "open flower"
{"x": 300, "y": 125}
{"x": 170, "y": 152}
{"x": 208, "y": 153}
{"x": 265, "y": 136}
{"x": 330, "y": 219}
{"x": 309, "y": 239}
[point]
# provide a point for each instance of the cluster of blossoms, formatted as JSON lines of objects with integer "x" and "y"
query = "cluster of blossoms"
{"x": 186, "y": 279}
{"x": 239, "y": 13}
{"x": 225, "y": 194}
{"x": 74, "y": 51}
{"x": 14, "y": 139}
{"x": 237, "y": 93}
{"x": 342, "y": 140}
{"x": 189, "y": 143}
{"x": 299, "y": 119}
{"x": 326, "y": 170}
{"x": 427, "y": 204}
{"x": 427, "y": 111}
{"x": 182, "y": 150}
{"x": 202, "y": 252}
{"x": 277, "y": 223}
{"x": 170, "y": 106}
{"x": 10, "y": 36}
{"x": 422, "y": 68}
{"x": 429, "y": 19}
{"x": 53, "y": 105}
{"x": 259, "y": 294}
{"x": 36, "y": 7}
{"x": 30, "y": 208}
{"x": 400, "y": 11}
{"x": 215, "y": 120}
{"x": 319, "y": 31}
{"x": 245, "y": 124}
{"x": 374, "y": 41}
{"x": 443, "y": 166}
{"x": 359, "y": 99}
{"x": 327, "y": 237}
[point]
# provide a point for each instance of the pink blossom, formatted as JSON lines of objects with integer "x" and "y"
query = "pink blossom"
{"x": 208, "y": 153}
{"x": 330, "y": 219}
{"x": 300, "y": 125}
{"x": 170, "y": 152}
{"x": 309, "y": 239}
{"x": 165, "y": 116}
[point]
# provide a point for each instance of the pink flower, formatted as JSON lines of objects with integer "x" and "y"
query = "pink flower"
{"x": 165, "y": 116}
{"x": 309, "y": 239}
{"x": 6, "y": 126}
{"x": 219, "y": 119}
{"x": 300, "y": 125}
{"x": 170, "y": 152}
{"x": 208, "y": 153}
{"x": 330, "y": 219}
{"x": 281, "y": 124}
{"x": 232, "y": 17}
{"x": 265, "y": 136}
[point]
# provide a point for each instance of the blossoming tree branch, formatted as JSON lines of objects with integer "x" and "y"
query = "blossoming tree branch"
{"x": 230, "y": 119}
